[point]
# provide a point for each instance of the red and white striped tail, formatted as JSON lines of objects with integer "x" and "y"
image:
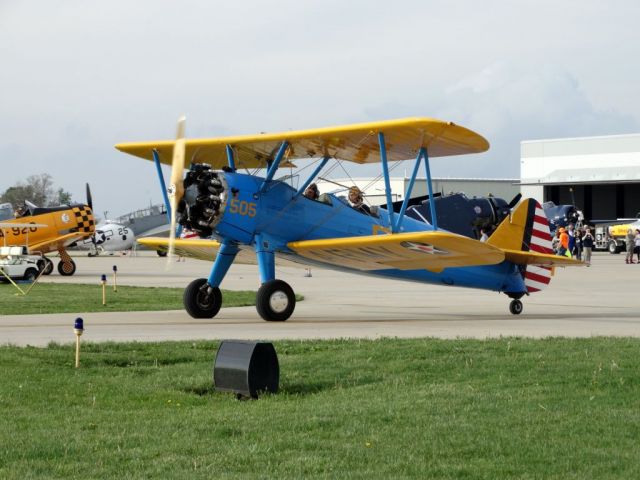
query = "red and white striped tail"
{"x": 537, "y": 278}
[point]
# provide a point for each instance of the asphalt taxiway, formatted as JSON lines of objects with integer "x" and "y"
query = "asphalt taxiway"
{"x": 603, "y": 299}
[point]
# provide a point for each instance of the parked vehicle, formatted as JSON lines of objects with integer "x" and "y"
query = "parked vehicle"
{"x": 17, "y": 264}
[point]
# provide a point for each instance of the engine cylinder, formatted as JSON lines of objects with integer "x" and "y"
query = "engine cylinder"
{"x": 204, "y": 200}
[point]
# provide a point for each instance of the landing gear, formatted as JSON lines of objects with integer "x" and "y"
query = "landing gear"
{"x": 46, "y": 265}
{"x": 275, "y": 301}
{"x": 515, "y": 307}
{"x": 201, "y": 300}
{"x": 66, "y": 268}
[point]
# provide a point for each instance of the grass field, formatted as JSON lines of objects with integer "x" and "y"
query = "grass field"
{"x": 508, "y": 408}
{"x": 66, "y": 298}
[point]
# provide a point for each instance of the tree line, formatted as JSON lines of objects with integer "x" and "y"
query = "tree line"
{"x": 38, "y": 189}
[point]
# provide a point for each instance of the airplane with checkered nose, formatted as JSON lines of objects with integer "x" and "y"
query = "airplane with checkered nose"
{"x": 49, "y": 229}
{"x": 233, "y": 209}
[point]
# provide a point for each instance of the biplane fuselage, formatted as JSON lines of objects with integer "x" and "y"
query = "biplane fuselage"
{"x": 281, "y": 216}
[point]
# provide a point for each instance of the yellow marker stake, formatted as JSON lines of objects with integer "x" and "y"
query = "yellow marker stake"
{"x": 115, "y": 278}
{"x": 103, "y": 281}
{"x": 78, "y": 329}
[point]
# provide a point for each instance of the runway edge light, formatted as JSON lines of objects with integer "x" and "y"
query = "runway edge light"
{"x": 246, "y": 368}
{"x": 78, "y": 329}
{"x": 103, "y": 282}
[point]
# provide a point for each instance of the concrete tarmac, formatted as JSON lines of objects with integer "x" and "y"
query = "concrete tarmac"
{"x": 580, "y": 302}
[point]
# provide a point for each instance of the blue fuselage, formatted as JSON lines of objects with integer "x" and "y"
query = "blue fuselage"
{"x": 278, "y": 216}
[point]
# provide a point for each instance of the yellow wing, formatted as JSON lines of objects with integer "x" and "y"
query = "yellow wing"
{"x": 193, "y": 248}
{"x": 432, "y": 251}
{"x": 58, "y": 242}
{"x": 356, "y": 143}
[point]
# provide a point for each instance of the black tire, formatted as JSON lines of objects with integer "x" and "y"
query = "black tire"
{"x": 200, "y": 304}
{"x": 30, "y": 275}
{"x": 48, "y": 268}
{"x": 613, "y": 247}
{"x": 516, "y": 307}
{"x": 161, "y": 253}
{"x": 66, "y": 269}
{"x": 275, "y": 301}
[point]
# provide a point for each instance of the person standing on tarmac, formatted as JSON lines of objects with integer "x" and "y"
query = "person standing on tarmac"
{"x": 563, "y": 243}
{"x": 587, "y": 245}
{"x": 637, "y": 245}
{"x": 630, "y": 240}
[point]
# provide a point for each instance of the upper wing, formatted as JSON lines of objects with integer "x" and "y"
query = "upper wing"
{"x": 356, "y": 143}
{"x": 193, "y": 248}
{"x": 432, "y": 251}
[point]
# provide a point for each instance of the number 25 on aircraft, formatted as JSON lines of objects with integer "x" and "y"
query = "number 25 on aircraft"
{"x": 242, "y": 207}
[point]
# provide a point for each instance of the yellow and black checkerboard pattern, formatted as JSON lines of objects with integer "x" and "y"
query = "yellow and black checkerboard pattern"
{"x": 84, "y": 219}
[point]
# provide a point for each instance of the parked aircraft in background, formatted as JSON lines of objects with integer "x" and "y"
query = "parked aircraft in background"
{"x": 53, "y": 229}
{"x": 108, "y": 237}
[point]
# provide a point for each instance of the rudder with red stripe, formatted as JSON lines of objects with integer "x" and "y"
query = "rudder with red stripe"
{"x": 527, "y": 230}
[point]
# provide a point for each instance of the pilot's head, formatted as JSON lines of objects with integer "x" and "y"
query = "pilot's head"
{"x": 312, "y": 191}
{"x": 355, "y": 195}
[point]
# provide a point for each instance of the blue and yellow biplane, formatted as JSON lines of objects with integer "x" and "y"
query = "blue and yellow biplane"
{"x": 234, "y": 210}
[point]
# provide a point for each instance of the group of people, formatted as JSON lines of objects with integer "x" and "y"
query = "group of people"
{"x": 575, "y": 243}
{"x": 633, "y": 245}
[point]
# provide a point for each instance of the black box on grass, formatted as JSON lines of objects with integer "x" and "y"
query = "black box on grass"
{"x": 246, "y": 368}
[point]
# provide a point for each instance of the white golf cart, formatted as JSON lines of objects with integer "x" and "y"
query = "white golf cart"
{"x": 17, "y": 264}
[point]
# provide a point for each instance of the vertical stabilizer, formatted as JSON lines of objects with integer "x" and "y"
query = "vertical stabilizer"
{"x": 527, "y": 229}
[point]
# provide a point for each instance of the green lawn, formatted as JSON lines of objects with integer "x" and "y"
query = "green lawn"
{"x": 508, "y": 408}
{"x": 66, "y": 298}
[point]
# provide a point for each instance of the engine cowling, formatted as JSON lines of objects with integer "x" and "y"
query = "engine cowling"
{"x": 205, "y": 198}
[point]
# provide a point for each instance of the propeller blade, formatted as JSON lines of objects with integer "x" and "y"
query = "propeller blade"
{"x": 514, "y": 201}
{"x": 176, "y": 187}
{"x": 89, "y": 199}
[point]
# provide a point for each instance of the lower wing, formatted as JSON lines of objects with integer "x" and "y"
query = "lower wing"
{"x": 432, "y": 251}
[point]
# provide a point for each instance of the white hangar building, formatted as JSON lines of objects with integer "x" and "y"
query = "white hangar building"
{"x": 600, "y": 175}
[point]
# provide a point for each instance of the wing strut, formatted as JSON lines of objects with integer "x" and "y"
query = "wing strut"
{"x": 312, "y": 176}
{"x": 163, "y": 186}
{"x": 432, "y": 203}
{"x": 274, "y": 166}
{"x": 230, "y": 158}
{"x": 387, "y": 182}
{"x": 407, "y": 196}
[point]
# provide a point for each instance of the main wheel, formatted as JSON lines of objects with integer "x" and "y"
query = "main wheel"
{"x": 199, "y": 302}
{"x": 66, "y": 269}
{"x": 30, "y": 275}
{"x": 161, "y": 253}
{"x": 275, "y": 301}
{"x": 516, "y": 307}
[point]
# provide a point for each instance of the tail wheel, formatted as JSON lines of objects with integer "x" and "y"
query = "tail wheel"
{"x": 200, "y": 300}
{"x": 516, "y": 307}
{"x": 275, "y": 301}
{"x": 66, "y": 269}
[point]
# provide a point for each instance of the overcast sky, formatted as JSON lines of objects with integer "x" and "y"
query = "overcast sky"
{"x": 77, "y": 77}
